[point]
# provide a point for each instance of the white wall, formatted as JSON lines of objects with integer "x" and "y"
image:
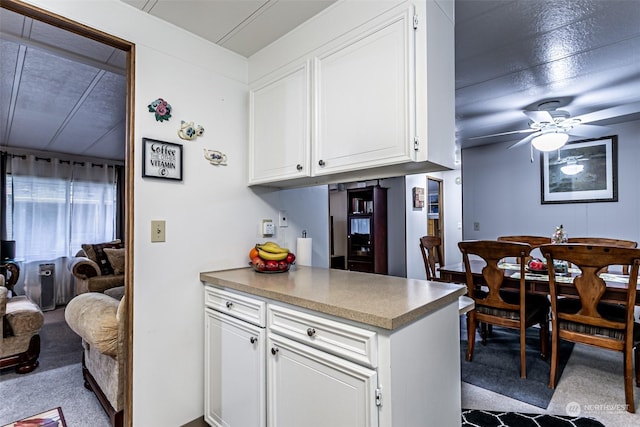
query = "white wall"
{"x": 502, "y": 193}
{"x": 308, "y": 209}
{"x": 416, "y": 221}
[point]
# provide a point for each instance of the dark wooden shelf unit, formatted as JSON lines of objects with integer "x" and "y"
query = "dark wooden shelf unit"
{"x": 367, "y": 230}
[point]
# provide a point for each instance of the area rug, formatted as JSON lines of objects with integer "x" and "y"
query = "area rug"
{"x": 496, "y": 366}
{"x": 478, "y": 418}
{"x": 51, "y": 418}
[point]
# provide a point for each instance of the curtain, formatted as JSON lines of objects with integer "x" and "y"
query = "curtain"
{"x": 54, "y": 207}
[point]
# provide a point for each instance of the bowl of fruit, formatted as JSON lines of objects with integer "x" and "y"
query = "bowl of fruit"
{"x": 269, "y": 257}
{"x": 536, "y": 265}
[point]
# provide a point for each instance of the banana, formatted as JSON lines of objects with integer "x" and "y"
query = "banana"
{"x": 270, "y": 256}
{"x": 273, "y": 248}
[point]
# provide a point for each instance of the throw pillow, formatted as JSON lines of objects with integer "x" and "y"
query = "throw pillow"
{"x": 116, "y": 259}
{"x": 95, "y": 252}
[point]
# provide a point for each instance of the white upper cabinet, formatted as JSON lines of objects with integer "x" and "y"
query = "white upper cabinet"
{"x": 364, "y": 98}
{"x": 279, "y": 126}
{"x": 363, "y": 90}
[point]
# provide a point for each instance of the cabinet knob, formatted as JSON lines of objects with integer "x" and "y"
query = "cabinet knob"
{"x": 299, "y": 167}
{"x": 229, "y": 304}
{"x": 274, "y": 350}
{"x": 311, "y": 332}
{"x": 321, "y": 162}
{"x": 253, "y": 340}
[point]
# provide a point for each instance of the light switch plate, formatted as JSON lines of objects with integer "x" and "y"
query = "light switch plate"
{"x": 157, "y": 231}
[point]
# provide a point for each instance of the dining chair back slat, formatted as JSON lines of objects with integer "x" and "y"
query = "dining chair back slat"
{"x": 608, "y": 242}
{"x": 586, "y": 319}
{"x": 533, "y": 241}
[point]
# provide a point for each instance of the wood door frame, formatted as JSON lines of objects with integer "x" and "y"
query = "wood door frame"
{"x": 440, "y": 182}
{"x": 45, "y": 16}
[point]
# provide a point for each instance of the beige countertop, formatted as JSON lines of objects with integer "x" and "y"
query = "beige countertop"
{"x": 387, "y": 302}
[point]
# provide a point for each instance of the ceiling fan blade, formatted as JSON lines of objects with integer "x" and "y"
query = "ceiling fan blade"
{"x": 524, "y": 140}
{"x": 608, "y": 113}
{"x": 539, "y": 116}
{"x": 590, "y": 131}
{"x": 504, "y": 133}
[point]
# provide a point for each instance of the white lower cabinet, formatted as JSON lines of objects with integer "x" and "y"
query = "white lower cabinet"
{"x": 306, "y": 371}
{"x": 308, "y": 387}
{"x": 234, "y": 372}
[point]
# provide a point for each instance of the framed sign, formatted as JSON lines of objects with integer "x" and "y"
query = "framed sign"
{"x": 580, "y": 172}
{"x": 161, "y": 159}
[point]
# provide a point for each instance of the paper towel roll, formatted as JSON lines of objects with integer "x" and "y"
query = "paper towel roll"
{"x": 303, "y": 251}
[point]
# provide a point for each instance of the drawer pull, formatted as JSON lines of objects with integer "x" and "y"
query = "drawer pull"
{"x": 274, "y": 350}
{"x": 299, "y": 167}
{"x": 311, "y": 332}
{"x": 321, "y": 163}
{"x": 229, "y": 305}
{"x": 253, "y": 340}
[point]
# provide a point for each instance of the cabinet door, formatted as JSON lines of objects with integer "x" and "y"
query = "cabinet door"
{"x": 234, "y": 372}
{"x": 364, "y": 98}
{"x": 279, "y": 129}
{"x": 308, "y": 387}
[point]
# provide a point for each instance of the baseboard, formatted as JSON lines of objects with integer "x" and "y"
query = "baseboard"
{"x": 198, "y": 422}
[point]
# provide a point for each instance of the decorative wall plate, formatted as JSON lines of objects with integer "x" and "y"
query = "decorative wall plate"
{"x": 189, "y": 131}
{"x": 161, "y": 109}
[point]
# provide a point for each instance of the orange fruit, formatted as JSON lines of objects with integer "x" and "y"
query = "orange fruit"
{"x": 253, "y": 253}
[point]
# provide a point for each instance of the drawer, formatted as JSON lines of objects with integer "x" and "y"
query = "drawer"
{"x": 346, "y": 341}
{"x": 242, "y": 307}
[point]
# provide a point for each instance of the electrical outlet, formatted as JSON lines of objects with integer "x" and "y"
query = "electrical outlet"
{"x": 476, "y": 226}
{"x": 157, "y": 231}
{"x": 282, "y": 219}
{"x": 268, "y": 228}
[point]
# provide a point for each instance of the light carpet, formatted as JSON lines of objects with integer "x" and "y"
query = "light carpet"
{"x": 56, "y": 382}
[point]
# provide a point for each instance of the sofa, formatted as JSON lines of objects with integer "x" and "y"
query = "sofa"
{"x": 21, "y": 321}
{"x": 99, "y": 320}
{"x": 98, "y": 267}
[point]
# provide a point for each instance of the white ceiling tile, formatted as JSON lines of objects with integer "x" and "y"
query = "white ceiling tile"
{"x": 274, "y": 22}
{"x": 208, "y": 19}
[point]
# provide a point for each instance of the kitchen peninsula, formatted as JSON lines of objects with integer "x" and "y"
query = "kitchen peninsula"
{"x": 317, "y": 346}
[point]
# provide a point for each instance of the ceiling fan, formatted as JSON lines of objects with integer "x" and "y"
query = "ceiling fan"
{"x": 550, "y": 128}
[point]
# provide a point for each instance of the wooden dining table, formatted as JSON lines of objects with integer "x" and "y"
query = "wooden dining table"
{"x": 538, "y": 283}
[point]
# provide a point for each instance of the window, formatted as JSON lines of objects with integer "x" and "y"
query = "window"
{"x": 50, "y": 217}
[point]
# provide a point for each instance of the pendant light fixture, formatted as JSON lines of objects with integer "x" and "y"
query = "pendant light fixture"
{"x": 550, "y": 141}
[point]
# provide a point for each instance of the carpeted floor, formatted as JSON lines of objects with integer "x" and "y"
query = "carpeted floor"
{"x": 56, "y": 382}
{"x": 496, "y": 366}
{"x": 478, "y": 418}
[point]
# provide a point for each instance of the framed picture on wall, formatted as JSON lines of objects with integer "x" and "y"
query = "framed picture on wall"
{"x": 580, "y": 172}
{"x": 161, "y": 159}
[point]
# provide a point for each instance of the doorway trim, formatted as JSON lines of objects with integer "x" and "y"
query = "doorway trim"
{"x": 440, "y": 207}
{"x": 43, "y": 15}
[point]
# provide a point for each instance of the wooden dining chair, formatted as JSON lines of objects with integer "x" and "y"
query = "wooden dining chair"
{"x": 586, "y": 319}
{"x": 431, "y": 250}
{"x": 499, "y": 307}
{"x": 608, "y": 242}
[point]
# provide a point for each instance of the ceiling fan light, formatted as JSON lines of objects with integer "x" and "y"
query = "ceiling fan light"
{"x": 550, "y": 141}
{"x": 572, "y": 169}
